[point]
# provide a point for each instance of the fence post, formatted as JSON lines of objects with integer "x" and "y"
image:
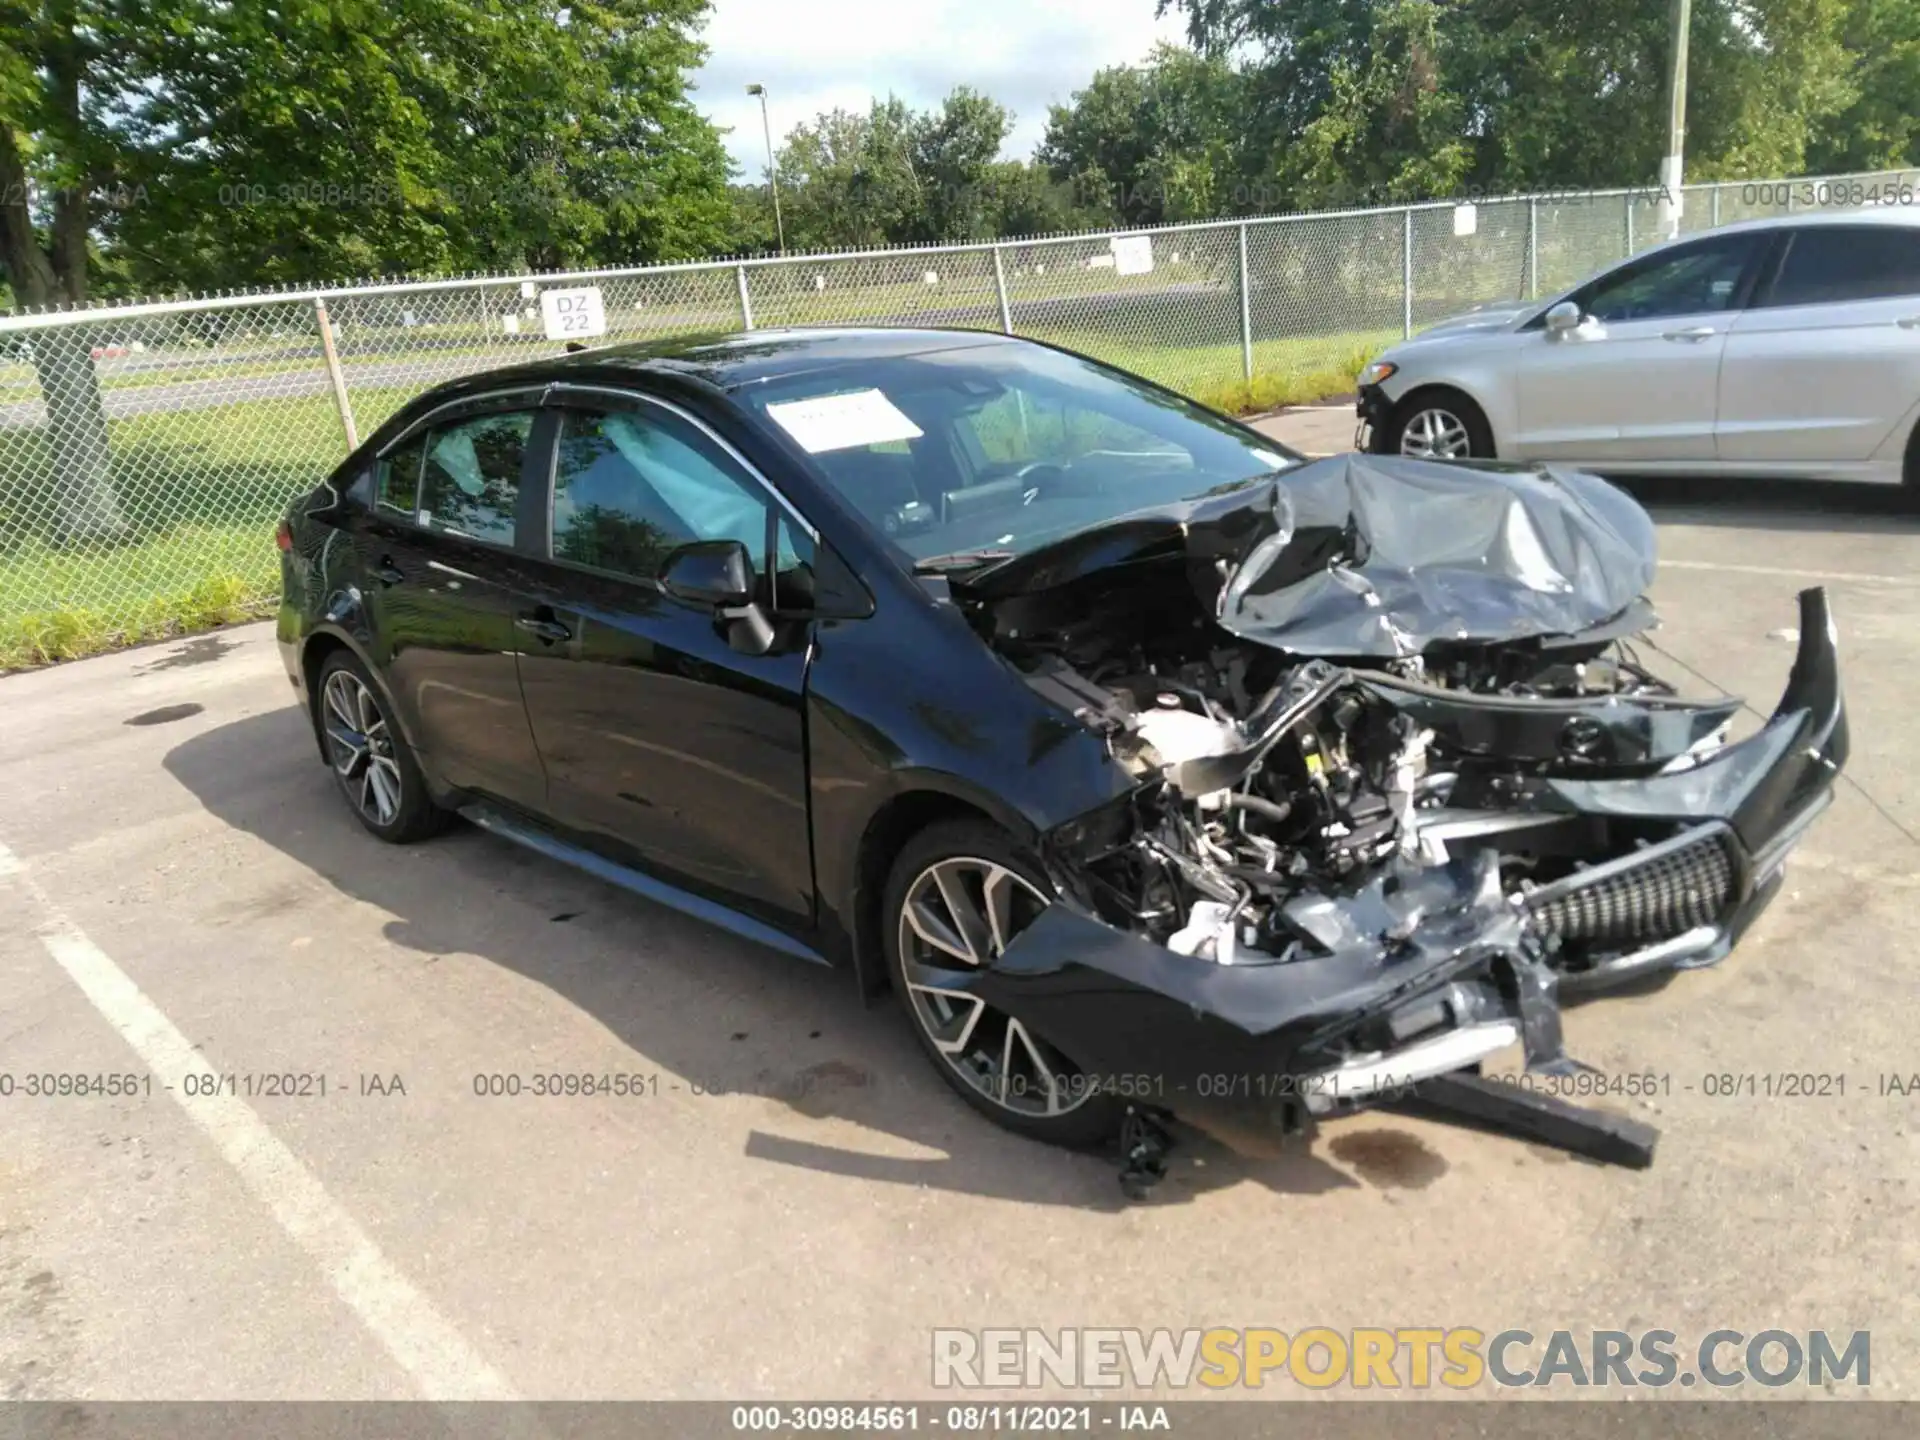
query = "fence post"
{"x": 1716, "y": 203}
{"x": 1533, "y": 249}
{"x": 1406, "y": 274}
{"x": 1000, "y": 284}
{"x": 333, "y": 373}
{"x": 1627, "y": 200}
{"x": 1246, "y": 311}
{"x": 746, "y": 300}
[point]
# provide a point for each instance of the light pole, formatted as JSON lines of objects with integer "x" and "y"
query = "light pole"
{"x": 773, "y": 181}
{"x": 1671, "y": 200}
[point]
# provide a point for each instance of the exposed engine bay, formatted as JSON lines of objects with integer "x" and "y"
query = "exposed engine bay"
{"x": 1401, "y": 777}
{"x": 1265, "y": 777}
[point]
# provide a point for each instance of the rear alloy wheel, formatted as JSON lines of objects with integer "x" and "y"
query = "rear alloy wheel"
{"x": 959, "y": 896}
{"x": 1440, "y": 425}
{"x": 370, "y": 760}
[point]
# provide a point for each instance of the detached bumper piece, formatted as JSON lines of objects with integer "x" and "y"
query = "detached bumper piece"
{"x": 1531, "y": 1115}
{"x": 1428, "y": 969}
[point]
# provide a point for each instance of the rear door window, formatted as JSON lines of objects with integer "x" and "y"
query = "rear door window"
{"x": 1833, "y": 264}
{"x": 470, "y": 485}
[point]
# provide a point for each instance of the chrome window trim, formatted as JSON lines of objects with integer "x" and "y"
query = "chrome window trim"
{"x": 535, "y": 393}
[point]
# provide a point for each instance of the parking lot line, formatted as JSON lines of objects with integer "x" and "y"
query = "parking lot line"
{"x": 420, "y": 1340}
{"x": 1838, "y": 577}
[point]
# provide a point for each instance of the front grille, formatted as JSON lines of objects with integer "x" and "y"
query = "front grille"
{"x": 1671, "y": 889}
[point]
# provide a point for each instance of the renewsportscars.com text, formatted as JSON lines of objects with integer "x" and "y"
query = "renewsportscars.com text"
{"x": 1397, "y": 1358}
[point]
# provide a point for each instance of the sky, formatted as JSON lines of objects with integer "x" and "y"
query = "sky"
{"x": 815, "y": 54}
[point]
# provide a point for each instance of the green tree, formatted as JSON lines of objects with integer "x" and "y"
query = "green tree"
{"x": 57, "y": 153}
{"x": 1154, "y": 142}
{"x": 340, "y": 138}
{"x": 954, "y": 150}
{"x": 846, "y": 179}
{"x": 1351, "y": 100}
{"x": 750, "y": 224}
{"x": 1387, "y": 127}
{"x": 169, "y": 144}
{"x": 894, "y": 175}
{"x": 1027, "y": 200}
{"x": 1880, "y": 126}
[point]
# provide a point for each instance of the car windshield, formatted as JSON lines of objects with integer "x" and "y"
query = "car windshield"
{"x": 977, "y": 453}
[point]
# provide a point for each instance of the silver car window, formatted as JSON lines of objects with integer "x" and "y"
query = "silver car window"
{"x": 1832, "y": 264}
{"x": 1690, "y": 280}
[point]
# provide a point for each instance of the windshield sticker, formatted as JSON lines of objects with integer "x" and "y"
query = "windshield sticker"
{"x": 840, "y": 422}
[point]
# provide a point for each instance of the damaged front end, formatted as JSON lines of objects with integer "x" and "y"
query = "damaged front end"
{"x": 1401, "y": 782}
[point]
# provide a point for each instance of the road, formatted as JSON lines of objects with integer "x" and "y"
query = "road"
{"x": 794, "y": 1202}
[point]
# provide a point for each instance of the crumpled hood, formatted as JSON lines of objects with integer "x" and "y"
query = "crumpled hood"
{"x": 1379, "y": 555}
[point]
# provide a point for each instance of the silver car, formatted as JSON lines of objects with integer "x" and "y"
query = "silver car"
{"x": 1786, "y": 347}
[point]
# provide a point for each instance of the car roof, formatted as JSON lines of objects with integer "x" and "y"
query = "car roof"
{"x": 1899, "y": 215}
{"x": 1856, "y": 215}
{"x": 728, "y": 362}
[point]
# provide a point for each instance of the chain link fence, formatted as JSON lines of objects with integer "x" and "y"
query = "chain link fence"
{"x": 147, "y": 450}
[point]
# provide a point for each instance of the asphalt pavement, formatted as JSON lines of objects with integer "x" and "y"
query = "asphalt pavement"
{"x": 789, "y": 1201}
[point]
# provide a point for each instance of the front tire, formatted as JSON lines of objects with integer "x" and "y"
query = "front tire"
{"x": 959, "y": 893}
{"x": 1438, "y": 423}
{"x": 370, "y": 759}
{"x": 1910, "y": 470}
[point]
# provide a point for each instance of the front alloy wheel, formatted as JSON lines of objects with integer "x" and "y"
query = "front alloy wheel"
{"x": 960, "y": 894}
{"x": 1436, "y": 434}
{"x": 360, "y": 745}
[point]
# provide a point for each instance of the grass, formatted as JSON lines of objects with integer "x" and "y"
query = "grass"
{"x": 201, "y": 490}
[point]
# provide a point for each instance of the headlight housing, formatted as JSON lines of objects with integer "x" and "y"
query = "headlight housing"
{"x": 1376, "y": 372}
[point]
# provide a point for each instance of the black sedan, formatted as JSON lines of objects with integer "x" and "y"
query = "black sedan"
{"x": 1145, "y": 761}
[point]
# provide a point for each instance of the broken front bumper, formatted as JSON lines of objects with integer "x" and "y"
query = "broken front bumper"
{"x": 1430, "y": 967}
{"x": 1372, "y": 407}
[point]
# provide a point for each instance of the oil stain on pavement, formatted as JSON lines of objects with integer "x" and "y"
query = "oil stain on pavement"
{"x": 1390, "y": 1159}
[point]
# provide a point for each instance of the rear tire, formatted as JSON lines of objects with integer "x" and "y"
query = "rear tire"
{"x": 959, "y": 892}
{"x": 1438, "y": 423}
{"x": 371, "y": 761}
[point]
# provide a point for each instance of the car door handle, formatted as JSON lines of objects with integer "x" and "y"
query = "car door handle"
{"x": 552, "y": 631}
{"x": 1909, "y": 322}
{"x": 388, "y": 573}
{"x": 1691, "y": 333}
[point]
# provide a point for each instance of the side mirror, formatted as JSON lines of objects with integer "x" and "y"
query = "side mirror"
{"x": 717, "y": 573}
{"x": 1564, "y": 317}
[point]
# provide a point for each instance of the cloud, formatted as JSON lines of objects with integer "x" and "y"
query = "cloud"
{"x": 813, "y": 55}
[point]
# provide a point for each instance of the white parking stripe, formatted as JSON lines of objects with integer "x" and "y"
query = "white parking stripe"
{"x": 1838, "y": 577}
{"x": 418, "y": 1337}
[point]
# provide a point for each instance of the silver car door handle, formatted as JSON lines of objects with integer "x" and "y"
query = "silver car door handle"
{"x": 1691, "y": 333}
{"x": 1909, "y": 322}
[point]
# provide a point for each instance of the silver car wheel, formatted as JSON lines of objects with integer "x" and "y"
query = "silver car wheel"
{"x": 361, "y": 748}
{"x": 957, "y": 917}
{"x": 1435, "y": 434}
